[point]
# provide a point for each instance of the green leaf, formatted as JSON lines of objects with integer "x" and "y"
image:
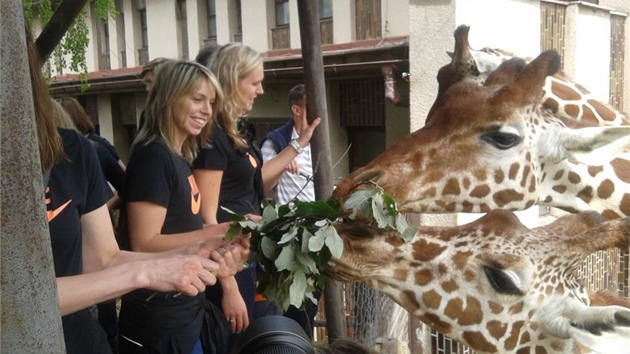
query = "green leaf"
{"x": 289, "y": 236}
{"x": 297, "y": 289}
{"x": 269, "y": 248}
{"x": 307, "y": 262}
{"x": 334, "y": 242}
{"x": 286, "y": 257}
{"x": 233, "y": 231}
{"x": 318, "y": 240}
{"x": 269, "y": 214}
{"x": 390, "y": 205}
{"x": 409, "y": 233}
{"x": 358, "y": 198}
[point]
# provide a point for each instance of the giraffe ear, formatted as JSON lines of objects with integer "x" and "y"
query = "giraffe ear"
{"x": 595, "y": 146}
{"x": 604, "y": 329}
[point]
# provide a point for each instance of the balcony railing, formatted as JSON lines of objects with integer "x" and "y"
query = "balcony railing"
{"x": 123, "y": 59}
{"x": 280, "y": 37}
{"x": 143, "y": 55}
{"x": 238, "y": 37}
{"x": 326, "y": 30}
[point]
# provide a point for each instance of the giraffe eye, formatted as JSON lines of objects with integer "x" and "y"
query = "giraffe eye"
{"x": 501, "y": 140}
{"x": 501, "y": 282}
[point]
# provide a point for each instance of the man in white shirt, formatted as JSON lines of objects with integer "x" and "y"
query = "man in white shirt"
{"x": 296, "y": 182}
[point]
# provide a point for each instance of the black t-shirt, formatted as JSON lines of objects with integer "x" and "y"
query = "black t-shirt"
{"x": 157, "y": 175}
{"x": 240, "y": 184}
{"x": 163, "y": 322}
{"x": 76, "y": 186}
{"x": 108, "y": 158}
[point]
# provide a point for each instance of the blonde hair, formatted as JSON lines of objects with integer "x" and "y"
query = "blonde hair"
{"x": 177, "y": 78}
{"x": 231, "y": 63}
{"x": 62, "y": 118}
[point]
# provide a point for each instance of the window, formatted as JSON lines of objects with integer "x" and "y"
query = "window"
{"x": 282, "y": 13}
{"x": 368, "y": 19}
{"x": 325, "y": 21}
{"x": 325, "y": 9}
{"x": 212, "y": 19}
{"x": 280, "y": 35}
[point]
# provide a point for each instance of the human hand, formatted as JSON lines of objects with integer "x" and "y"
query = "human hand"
{"x": 293, "y": 167}
{"x": 306, "y": 130}
{"x": 235, "y": 310}
{"x": 229, "y": 257}
{"x": 186, "y": 274}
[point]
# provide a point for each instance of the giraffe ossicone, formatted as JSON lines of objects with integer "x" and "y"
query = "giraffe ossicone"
{"x": 495, "y": 285}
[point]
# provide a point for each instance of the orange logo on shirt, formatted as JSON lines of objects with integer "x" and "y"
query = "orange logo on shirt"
{"x": 52, "y": 213}
{"x": 195, "y": 196}
{"x": 252, "y": 160}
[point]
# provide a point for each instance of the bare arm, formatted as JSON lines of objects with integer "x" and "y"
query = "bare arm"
{"x": 109, "y": 272}
{"x": 209, "y": 184}
{"x": 145, "y": 220}
{"x": 273, "y": 169}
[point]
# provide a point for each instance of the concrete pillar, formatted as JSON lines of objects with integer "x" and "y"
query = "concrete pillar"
{"x": 31, "y": 322}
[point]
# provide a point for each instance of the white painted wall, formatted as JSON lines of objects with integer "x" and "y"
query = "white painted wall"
{"x": 512, "y": 25}
{"x": 394, "y": 18}
{"x": 255, "y": 31}
{"x": 592, "y": 59}
{"x": 196, "y": 25}
{"x": 162, "y": 29}
{"x": 343, "y": 21}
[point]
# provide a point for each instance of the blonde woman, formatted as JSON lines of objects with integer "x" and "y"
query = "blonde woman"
{"x": 162, "y": 209}
{"x": 230, "y": 173}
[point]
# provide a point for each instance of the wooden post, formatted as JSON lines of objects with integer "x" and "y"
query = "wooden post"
{"x": 31, "y": 321}
{"x": 314, "y": 80}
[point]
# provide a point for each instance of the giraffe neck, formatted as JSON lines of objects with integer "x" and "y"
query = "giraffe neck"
{"x": 572, "y": 102}
{"x": 577, "y": 187}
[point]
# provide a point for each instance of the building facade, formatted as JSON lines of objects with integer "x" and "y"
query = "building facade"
{"x": 366, "y": 44}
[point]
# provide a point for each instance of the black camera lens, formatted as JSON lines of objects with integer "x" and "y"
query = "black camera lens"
{"x": 274, "y": 335}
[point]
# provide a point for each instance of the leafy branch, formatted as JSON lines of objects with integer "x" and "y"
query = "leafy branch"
{"x": 294, "y": 242}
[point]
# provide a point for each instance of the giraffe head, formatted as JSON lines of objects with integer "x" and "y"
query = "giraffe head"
{"x": 490, "y": 146}
{"x": 493, "y": 284}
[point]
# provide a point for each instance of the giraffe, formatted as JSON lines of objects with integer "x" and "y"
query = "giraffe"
{"x": 495, "y": 285}
{"x": 493, "y": 146}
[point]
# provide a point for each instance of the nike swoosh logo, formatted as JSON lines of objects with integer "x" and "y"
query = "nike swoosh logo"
{"x": 195, "y": 196}
{"x": 51, "y": 214}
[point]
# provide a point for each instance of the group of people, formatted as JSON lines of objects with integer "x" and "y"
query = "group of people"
{"x": 183, "y": 288}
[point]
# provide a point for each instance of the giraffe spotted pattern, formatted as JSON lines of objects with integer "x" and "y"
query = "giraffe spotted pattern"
{"x": 493, "y": 284}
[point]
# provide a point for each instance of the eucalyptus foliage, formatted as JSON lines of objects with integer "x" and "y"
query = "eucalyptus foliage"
{"x": 294, "y": 242}
{"x": 70, "y": 52}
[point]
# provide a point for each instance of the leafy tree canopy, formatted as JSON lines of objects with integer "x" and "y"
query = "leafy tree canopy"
{"x": 70, "y": 52}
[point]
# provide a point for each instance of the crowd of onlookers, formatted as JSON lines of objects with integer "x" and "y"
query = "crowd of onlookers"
{"x": 138, "y": 248}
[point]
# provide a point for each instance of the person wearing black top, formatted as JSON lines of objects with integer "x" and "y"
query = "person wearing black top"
{"x": 230, "y": 172}
{"x": 89, "y": 266}
{"x": 162, "y": 210}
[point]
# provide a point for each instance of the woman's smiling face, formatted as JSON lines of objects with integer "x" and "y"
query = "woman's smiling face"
{"x": 193, "y": 111}
{"x": 251, "y": 86}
